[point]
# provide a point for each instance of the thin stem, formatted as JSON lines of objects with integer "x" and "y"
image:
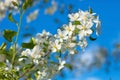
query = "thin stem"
{"x": 27, "y": 71}
{"x": 33, "y": 67}
{"x": 15, "y": 44}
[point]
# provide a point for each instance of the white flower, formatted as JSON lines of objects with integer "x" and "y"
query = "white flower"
{"x": 85, "y": 29}
{"x": 83, "y": 43}
{"x": 86, "y": 16}
{"x": 62, "y": 35}
{"x": 98, "y": 24}
{"x": 66, "y": 40}
{"x": 2, "y": 10}
{"x": 52, "y": 9}
{"x": 41, "y": 75}
{"x": 72, "y": 51}
{"x": 72, "y": 45}
{"x": 69, "y": 29}
{"x": 74, "y": 16}
{"x": 62, "y": 63}
{"x": 32, "y": 16}
{"x": 36, "y": 52}
{"x": 27, "y": 52}
{"x": 36, "y": 61}
{"x": 20, "y": 59}
{"x": 8, "y": 65}
{"x": 2, "y": 6}
{"x": 41, "y": 37}
{"x": 17, "y": 68}
{"x": 8, "y": 3}
{"x": 55, "y": 46}
{"x": 44, "y": 33}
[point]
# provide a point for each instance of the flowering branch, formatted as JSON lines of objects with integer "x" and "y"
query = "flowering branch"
{"x": 44, "y": 54}
{"x": 18, "y": 26}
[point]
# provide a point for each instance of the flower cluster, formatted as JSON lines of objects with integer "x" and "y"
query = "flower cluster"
{"x": 12, "y": 6}
{"x": 5, "y": 5}
{"x": 46, "y": 55}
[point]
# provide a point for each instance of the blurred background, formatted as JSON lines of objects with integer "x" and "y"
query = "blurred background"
{"x": 101, "y": 59}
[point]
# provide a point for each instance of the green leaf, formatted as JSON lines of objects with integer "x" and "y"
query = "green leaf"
{"x": 14, "y": 3}
{"x": 2, "y": 64}
{"x": 28, "y": 66}
{"x": 8, "y": 75}
{"x": 9, "y": 34}
{"x": 76, "y": 31}
{"x": 3, "y": 52}
{"x": 69, "y": 66}
{"x": 76, "y": 23}
{"x": 29, "y": 45}
{"x": 24, "y": 6}
{"x": 10, "y": 17}
{"x": 90, "y": 10}
{"x": 27, "y": 4}
{"x": 92, "y": 39}
{"x": 23, "y": 57}
{"x": 3, "y": 46}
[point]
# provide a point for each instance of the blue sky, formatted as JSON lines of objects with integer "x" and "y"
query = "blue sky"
{"x": 109, "y": 13}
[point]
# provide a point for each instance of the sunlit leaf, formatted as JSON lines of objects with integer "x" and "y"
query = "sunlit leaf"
{"x": 69, "y": 66}
{"x": 76, "y": 23}
{"x": 2, "y": 64}
{"x": 27, "y": 4}
{"x": 14, "y": 3}
{"x": 11, "y": 75}
{"x": 3, "y": 46}
{"x": 10, "y": 17}
{"x": 29, "y": 45}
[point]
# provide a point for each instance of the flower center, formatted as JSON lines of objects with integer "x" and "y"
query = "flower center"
{"x": 84, "y": 28}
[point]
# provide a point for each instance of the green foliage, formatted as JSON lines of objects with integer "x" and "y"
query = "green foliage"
{"x": 76, "y": 23}
{"x": 3, "y": 46}
{"x": 92, "y": 39}
{"x": 27, "y": 66}
{"x": 8, "y": 75}
{"x": 10, "y": 17}
{"x": 69, "y": 66}
{"x": 27, "y": 4}
{"x": 2, "y": 64}
{"x": 3, "y": 52}
{"x": 76, "y": 31}
{"x": 9, "y": 34}
{"x": 14, "y": 3}
{"x": 90, "y": 10}
{"x": 29, "y": 45}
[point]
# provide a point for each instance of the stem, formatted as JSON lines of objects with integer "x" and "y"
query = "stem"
{"x": 18, "y": 26}
{"x": 27, "y": 71}
{"x": 33, "y": 67}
